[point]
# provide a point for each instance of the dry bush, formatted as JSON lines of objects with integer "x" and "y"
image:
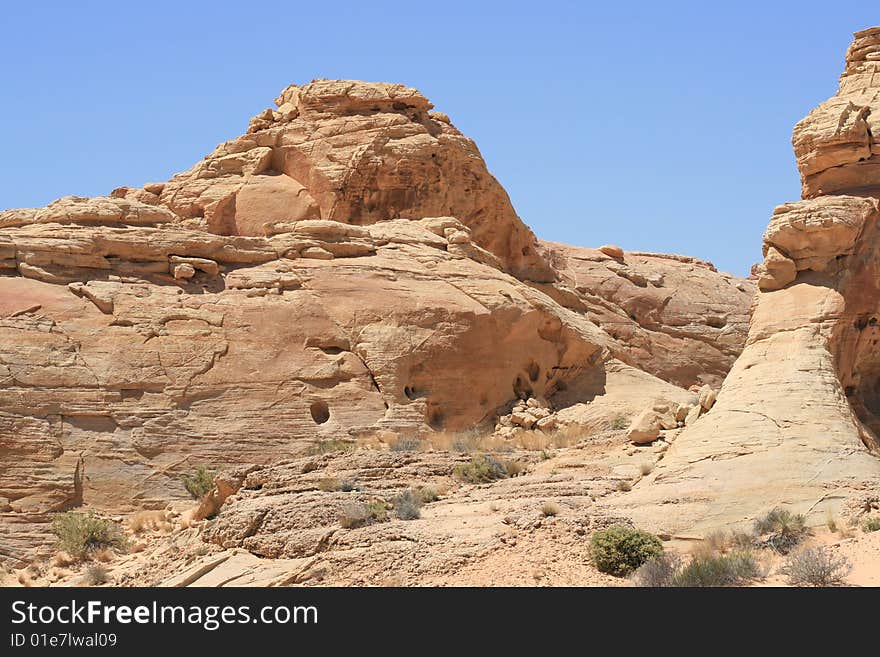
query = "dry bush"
{"x": 103, "y": 555}
{"x": 82, "y": 533}
{"x": 407, "y": 505}
{"x": 357, "y": 514}
{"x": 659, "y": 571}
{"x": 331, "y": 446}
{"x": 624, "y": 485}
{"x": 95, "y": 575}
{"x": 481, "y": 469}
{"x": 709, "y": 570}
{"x": 646, "y": 469}
{"x": 62, "y": 559}
{"x": 406, "y": 444}
{"x": 549, "y": 509}
{"x": 515, "y": 468}
{"x": 427, "y": 494}
{"x": 815, "y": 567}
{"x": 25, "y": 578}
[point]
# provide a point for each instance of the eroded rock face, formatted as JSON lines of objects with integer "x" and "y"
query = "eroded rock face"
{"x": 673, "y": 316}
{"x": 797, "y": 418}
{"x": 351, "y": 152}
{"x": 836, "y": 144}
{"x": 346, "y": 268}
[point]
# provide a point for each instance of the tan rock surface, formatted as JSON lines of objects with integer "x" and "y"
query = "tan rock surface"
{"x": 346, "y": 269}
{"x": 835, "y": 144}
{"x": 673, "y": 316}
{"x": 798, "y": 416}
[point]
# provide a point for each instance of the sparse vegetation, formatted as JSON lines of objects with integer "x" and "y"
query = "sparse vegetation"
{"x": 831, "y": 522}
{"x": 706, "y": 570}
{"x": 426, "y": 495}
{"x": 466, "y": 441}
{"x": 645, "y": 469}
{"x": 330, "y": 446}
{"x": 619, "y": 423}
{"x": 95, "y": 575}
{"x": 872, "y": 524}
{"x": 82, "y": 533}
{"x": 482, "y": 468}
{"x": 815, "y": 567}
{"x": 332, "y": 484}
{"x": 199, "y": 483}
{"x": 624, "y": 485}
{"x": 406, "y": 444}
{"x": 549, "y": 509}
{"x": 407, "y": 505}
{"x": 620, "y": 550}
{"x": 358, "y": 514}
{"x": 781, "y": 530}
{"x": 515, "y": 468}
{"x": 659, "y": 571}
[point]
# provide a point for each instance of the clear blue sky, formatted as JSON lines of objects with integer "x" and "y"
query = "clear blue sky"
{"x": 656, "y": 126}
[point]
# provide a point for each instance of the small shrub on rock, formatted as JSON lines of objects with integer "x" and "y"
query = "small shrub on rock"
{"x": 481, "y": 469}
{"x": 95, "y": 575}
{"x": 357, "y": 514}
{"x": 708, "y": 570}
{"x": 620, "y": 550}
{"x": 199, "y": 483}
{"x": 407, "y": 505}
{"x": 872, "y": 524}
{"x": 82, "y": 533}
{"x": 781, "y": 530}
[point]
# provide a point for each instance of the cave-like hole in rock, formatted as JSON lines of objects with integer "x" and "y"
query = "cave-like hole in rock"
{"x": 534, "y": 371}
{"x": 320, "y": 411}
{"x": 412, "y": 392}
{"x": 521, "y": 387}
{"x": 436, "y": 418}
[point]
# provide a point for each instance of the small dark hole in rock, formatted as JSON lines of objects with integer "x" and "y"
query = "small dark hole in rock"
{"x": 320, "y": 411}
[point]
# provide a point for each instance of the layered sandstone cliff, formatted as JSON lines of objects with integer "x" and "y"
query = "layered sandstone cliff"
{"x": 796, "y": 422}
{"x": 347, "y": 269}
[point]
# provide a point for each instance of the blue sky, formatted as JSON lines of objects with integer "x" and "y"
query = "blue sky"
{"x": 656, "y": 126}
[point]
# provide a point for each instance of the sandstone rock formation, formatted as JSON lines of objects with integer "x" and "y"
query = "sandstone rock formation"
{"x": 673, "y": 316}
{"x": 346, "y": 268}
{"x": 797, "y": 418}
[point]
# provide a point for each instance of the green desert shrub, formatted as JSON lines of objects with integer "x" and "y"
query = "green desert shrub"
{"x": 619, "y": 423}
{"x": 781, "y": 530}
{"x": 426, "y": 495}
{"x": 872, "y": 524}
{"x": 407, "y": 505}
{"x": 81, "y": 533}
{"x": 620, "y": 550}
{"x": 199, "y": 483}
{"x": 706, "y": 570}
{"x": 482, "y": 468}
{"x": 815, "y": 567}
